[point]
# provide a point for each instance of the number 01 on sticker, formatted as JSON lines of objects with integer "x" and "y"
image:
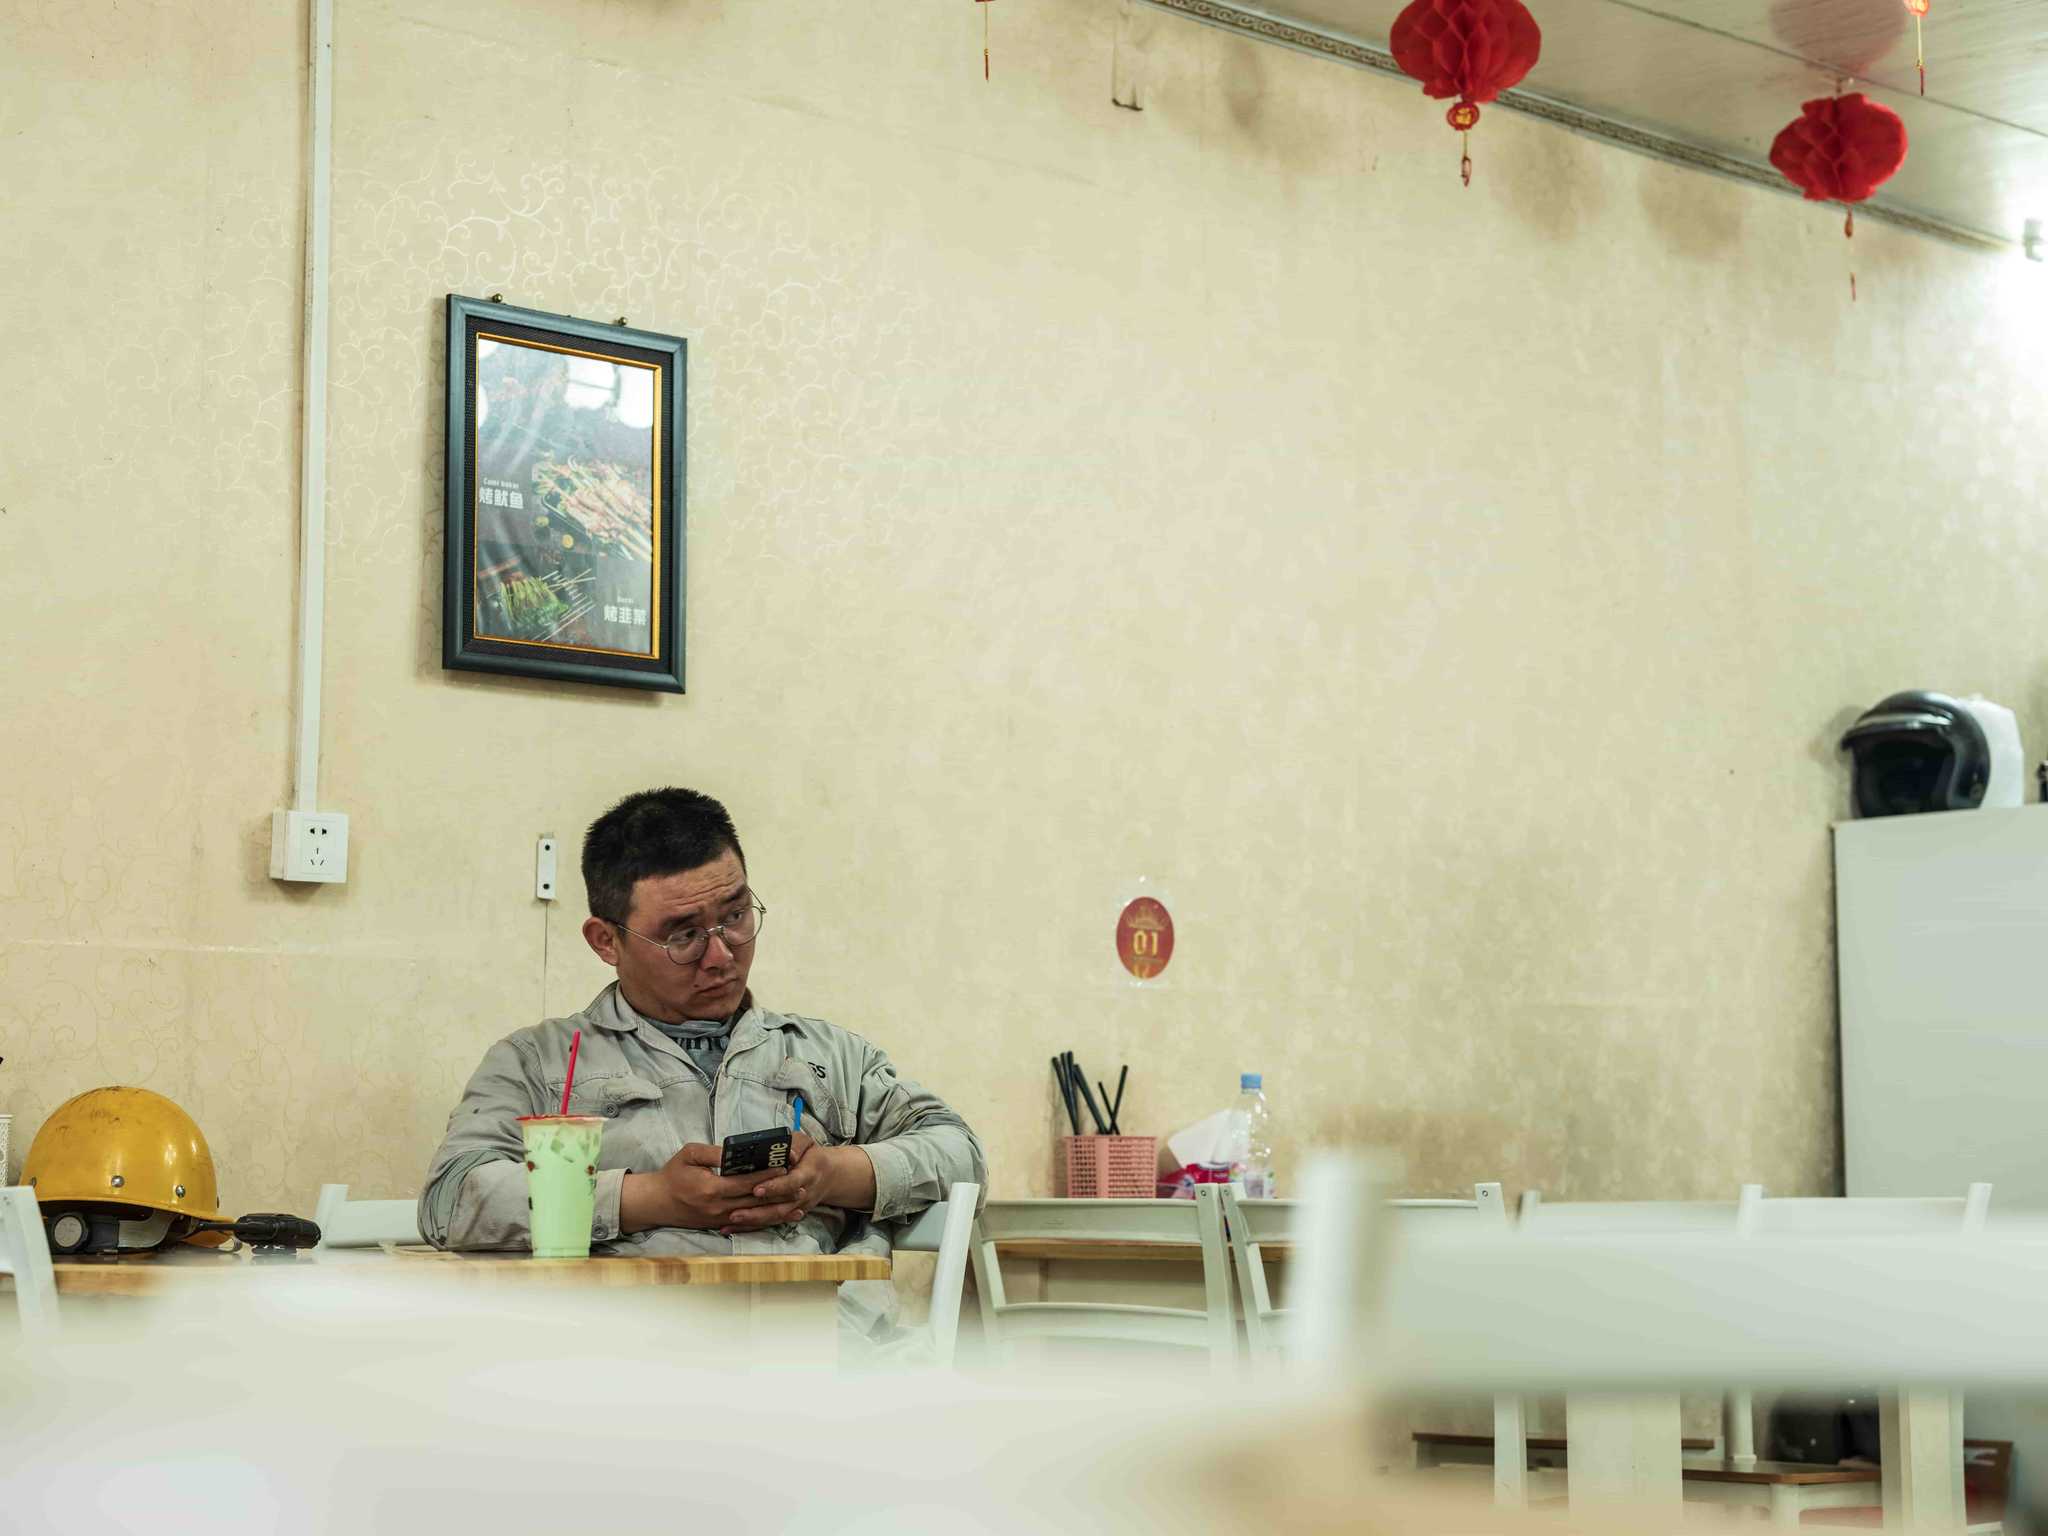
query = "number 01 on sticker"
{"x": 1144, "y": 937}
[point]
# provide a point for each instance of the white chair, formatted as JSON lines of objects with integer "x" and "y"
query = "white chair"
{"x": 1196, "y": 1224}
{"x": 1601, "y": 1218}
{"x": 1613, "y": 1218}
{"x": 1270, "y": 1221}
{"x": 1348, "y": 1229}
{"x": 1826, "y": 1216}
{"x": 1908, "y": 1490}
{"x": 946, "y": 1229}
{"x": 1485, "y": 1211}
{"x": 1607, "y": 1218}
{"x": 1255, "y": 1223}
{"x": 25, "y": 1255}
{"x": 1863, "y": 1215}
{"x": 1249, "y": 1226}
{"x": 346, "y": 1223}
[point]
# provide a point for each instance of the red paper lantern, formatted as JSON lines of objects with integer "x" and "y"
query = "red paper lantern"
{"x": 1840, "y": 149}
{"x": 1470, "y": 50}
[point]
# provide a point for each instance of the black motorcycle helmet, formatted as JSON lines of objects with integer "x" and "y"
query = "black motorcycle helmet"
{"x": 1824, "y": 1431}
{"x": 1918, "y": 752}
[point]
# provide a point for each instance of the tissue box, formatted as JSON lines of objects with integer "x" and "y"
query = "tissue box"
{"x": 1110, "y": 1167}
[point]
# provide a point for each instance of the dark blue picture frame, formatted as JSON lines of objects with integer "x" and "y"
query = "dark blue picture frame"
{"x": 551, "y": 622}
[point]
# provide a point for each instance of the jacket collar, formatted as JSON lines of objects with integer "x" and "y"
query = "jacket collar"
{"x": 752, "y": 1026}
{"x": 610, "y": 1010}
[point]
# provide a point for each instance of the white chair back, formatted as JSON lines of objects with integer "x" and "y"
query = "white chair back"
{"x": 1608, "y": 1218}
{"x": 346, "y": 1223}
{"x": 1347, "y": 1229}
{"x": 1910, "y": 1475}
{"x": 1194, "y": 1224}
{"x": 946, "y": 1229}
{"x": 25, "y": 1255}
{"x": 1250, "y": 1226}
{"x": 1862, "y": 1215}
{"x": 1253, "y": 1224}
{"x": 1603, "y": 1218}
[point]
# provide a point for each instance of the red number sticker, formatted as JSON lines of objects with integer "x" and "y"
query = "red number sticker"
{"x": 1144, "y": 937}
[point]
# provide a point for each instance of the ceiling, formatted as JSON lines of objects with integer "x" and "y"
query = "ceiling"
{"x": 1710, "y": 82}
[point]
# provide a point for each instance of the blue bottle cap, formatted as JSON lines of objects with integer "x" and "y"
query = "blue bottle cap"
{"x": 1247, "y": 1081}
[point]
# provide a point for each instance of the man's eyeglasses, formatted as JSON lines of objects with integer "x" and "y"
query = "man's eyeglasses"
{"x": 687, "y": 946}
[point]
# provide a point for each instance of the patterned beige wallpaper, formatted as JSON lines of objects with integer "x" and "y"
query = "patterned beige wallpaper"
{"x": 1450, "y": 595}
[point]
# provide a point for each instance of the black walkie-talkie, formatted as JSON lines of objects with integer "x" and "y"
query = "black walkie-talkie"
{"x": 268, "y": 1232}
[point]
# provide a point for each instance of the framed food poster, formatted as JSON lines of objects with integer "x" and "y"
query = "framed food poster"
{"x": 565, "y": 498}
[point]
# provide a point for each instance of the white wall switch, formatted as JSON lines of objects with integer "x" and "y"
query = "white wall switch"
{"x": 309, "y": 846}
{"x": 544, "y": 870}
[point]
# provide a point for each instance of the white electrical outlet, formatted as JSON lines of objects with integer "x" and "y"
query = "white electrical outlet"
{"x": 544, "y": 870}
{"x": 309, "y": 846}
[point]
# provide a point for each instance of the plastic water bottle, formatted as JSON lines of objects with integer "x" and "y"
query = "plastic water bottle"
{"x": 1251, "y": 1161}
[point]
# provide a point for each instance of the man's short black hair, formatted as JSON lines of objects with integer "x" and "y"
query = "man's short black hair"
{"x": 654, "y": 833}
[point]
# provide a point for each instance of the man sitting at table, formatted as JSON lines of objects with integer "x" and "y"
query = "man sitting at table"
{"x": 676, "y": 1056}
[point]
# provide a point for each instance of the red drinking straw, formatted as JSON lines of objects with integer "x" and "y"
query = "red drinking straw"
{"x": 574, "y": 1045}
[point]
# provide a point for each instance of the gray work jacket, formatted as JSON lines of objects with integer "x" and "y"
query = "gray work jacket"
{"x": 654, "y": 1099}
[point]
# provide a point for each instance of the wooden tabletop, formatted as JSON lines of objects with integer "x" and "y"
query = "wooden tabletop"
{"x": 613, "y": 1270}
{"x": 151, "y": 1275}
{"x": 1720, "y": 1471}
{"x": 1777, "y": 1472}
{"x": 1534, "y": 1442}
{"x": 1083, "y": 1250}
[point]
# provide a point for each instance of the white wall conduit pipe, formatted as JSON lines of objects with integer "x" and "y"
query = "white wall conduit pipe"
{"x": 313, "y": 411}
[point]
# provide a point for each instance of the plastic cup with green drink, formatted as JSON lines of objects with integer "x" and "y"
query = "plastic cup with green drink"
{"x": 561, "y": 1182}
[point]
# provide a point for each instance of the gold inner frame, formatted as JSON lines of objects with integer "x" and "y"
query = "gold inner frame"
{"x": 654, "y": 469}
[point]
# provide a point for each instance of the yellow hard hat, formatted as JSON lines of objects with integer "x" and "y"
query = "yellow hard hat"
{"x": 123, "y": 1146}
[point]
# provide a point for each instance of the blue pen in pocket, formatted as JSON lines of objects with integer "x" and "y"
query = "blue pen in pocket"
{"x": 796, "y": 1117}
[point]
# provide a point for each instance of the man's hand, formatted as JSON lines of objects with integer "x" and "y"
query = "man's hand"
{"x": 776, "y": 1198}
{"x": 687, "y": 1192}
{"x": 836, "y": 1176}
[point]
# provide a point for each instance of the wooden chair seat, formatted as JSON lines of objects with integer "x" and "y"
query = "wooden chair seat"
{"x": 1782, "y": 1473}
{"x": 1550, "y": 1445}
{"x": 1987, "y": 1481}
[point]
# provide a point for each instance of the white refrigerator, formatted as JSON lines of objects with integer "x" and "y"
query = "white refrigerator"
{"x": 1942, "y": 960}
{"x": 1942, "y": 965}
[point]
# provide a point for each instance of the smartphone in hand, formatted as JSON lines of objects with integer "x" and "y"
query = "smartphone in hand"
{"x": 755, "y": 1152}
